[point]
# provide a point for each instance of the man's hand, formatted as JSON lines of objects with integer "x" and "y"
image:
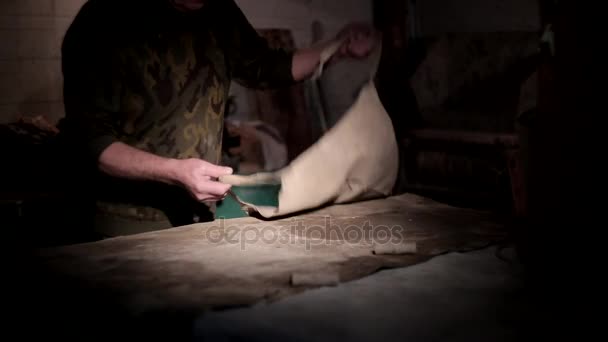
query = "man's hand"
{"x": 200, "y": 179}
{"x": 359, "y": 40}
{"x": 195, "y": 175}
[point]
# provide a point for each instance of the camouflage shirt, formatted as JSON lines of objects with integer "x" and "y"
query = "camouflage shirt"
{"x": 143, "y": 73}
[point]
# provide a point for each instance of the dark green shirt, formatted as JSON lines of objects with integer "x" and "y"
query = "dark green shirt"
{"x": 143, "y": 73}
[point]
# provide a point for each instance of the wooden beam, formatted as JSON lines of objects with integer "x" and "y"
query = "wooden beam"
{"x": 507, "y": 140}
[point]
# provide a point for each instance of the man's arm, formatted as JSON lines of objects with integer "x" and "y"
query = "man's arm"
{"x": 195, "y": 175}
{"x": 358, "y": 38}
{"x": 306, "y": 61}
{"x": 94, "y": 77}
{"x": 256, "y": 65}
{"x": 253, "y": 63}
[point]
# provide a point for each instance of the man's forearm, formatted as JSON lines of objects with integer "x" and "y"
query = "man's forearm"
{"x": 357, "y": 40}
{"x": 306, "y": 61}
{"x": 123, "y": 161}
{"x": 195, "y": 175}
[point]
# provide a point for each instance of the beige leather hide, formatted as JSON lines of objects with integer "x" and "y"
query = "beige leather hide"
{"x": 357, "y": 159}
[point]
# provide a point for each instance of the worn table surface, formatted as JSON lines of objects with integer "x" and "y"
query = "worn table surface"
{"x": 239, "y": 262}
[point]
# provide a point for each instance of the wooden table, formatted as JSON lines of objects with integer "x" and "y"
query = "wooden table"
{"x": 222, "y": 264}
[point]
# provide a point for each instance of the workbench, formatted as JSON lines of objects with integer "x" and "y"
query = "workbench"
{"x": 170, "y": 276}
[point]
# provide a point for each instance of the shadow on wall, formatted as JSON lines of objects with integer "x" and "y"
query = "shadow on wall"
{"x": 468, "y": 88}
{"x": 27, "y": 143}
{"x": 40, "y": 103}
{"x": 472, "y": 80}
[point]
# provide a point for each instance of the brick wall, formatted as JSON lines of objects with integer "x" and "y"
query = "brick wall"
{"x": 31, "y": 32}
{"x": 30, "y": 74}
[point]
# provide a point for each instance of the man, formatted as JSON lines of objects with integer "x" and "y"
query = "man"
{"x": 145, "y": 86}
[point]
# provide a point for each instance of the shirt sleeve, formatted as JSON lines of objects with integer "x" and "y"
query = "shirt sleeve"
{"x": 253, "y": 62}
{"x": 92, "y": 88}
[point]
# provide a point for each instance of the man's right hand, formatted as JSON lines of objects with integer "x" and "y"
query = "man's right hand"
{"x": 200, "y": 179}
{"x": 195, "y": 175}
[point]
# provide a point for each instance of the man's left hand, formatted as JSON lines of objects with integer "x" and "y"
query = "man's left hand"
{"x": 359, "y": 40}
